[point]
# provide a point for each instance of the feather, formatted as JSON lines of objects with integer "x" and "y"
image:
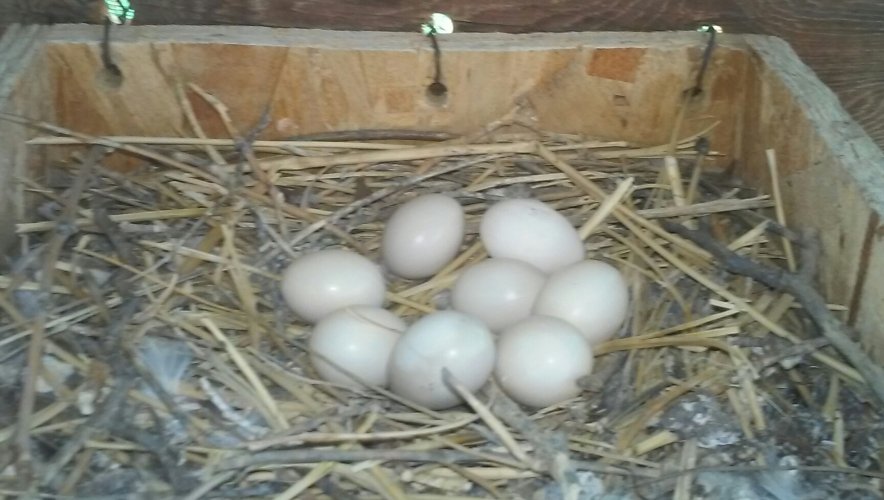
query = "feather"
{"x": 168, "y": 360}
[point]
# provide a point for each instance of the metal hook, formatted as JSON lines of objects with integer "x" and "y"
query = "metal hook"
{"x": 437, "y": 88}
{"x": 713, "y": 30}
{"x": 439, "y": 23}
{"x": 112, "y": 71}
{"x": 116, "y": 12}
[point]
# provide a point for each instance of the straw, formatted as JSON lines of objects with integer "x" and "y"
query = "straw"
{"x": 195, "y": 254}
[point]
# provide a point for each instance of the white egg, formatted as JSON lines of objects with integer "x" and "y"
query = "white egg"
{"x": 500, "y": 292}
{"x": 443, "y": 339}
{"x": 540, "y": 359}
{"x": 422, "y": 236}
{"x": 321, "y": 282}
{"x": 358, "y": 339}
{"x": 591, "y": 295}
{"x": 530, "y": 231}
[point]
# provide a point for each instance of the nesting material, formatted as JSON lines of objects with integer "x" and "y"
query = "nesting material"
{"x": 149, "y": 350}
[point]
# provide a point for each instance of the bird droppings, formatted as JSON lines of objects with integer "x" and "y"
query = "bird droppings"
{"x": 700, "y": 416}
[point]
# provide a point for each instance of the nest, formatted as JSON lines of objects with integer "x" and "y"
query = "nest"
{"x": 150, "y": 354}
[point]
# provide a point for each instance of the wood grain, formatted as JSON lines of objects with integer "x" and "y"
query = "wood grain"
{"x": 318, "y": 81}
{"x": 23, "y": 90}
{"x": 832, "y": 179}
{"x": 843, "y": 42}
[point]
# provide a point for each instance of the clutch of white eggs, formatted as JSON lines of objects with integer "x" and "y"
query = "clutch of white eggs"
{"x": 529, "y": 315}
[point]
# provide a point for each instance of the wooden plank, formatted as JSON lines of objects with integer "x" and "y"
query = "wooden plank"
{"x": 491, "y": 15}
{"x": 602, "y": 84}
{"x": 841, "y": 41}
{"x": 24, "y": 91}
{"x": 635, "y": 93}
{"x": 832, "y": 177}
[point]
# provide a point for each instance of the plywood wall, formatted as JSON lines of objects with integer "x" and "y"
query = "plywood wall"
{"x": 832, "y": 179}
{"x": 24, "y": 91}
{"x": 627, "y": 90}
{"x": 841, "y": 41}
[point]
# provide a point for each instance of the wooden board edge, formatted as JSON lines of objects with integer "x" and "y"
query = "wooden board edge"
{"x": 17, "y": 47}
{"x": 20, "y": 48}
{"x": 382, "y": 40}
{"x": 847, "y": 140}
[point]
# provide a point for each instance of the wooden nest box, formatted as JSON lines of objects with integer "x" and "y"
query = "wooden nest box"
{"x": 614, "y": 86}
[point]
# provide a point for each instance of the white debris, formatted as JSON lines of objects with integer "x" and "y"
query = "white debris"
{"x": 86, "y": 401}
{"x": 58, "y": 370}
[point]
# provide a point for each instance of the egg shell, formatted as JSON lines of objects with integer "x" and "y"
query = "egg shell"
{"x": 540, "y": 360}
{"x": 500, "y": 292}
{"x": 422, "y": 236}
{"x": 531, "y": 231}
{"x": 316, "y": 284}
{"x": 443, "y": 339}
{"x": 591, "y": 295}
{"x": 359, "y": 339}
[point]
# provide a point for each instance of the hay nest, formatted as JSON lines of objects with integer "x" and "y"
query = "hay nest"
{"x": 148, "y": 351}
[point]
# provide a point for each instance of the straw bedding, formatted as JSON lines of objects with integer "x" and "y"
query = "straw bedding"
{"x": 169, "y": 366}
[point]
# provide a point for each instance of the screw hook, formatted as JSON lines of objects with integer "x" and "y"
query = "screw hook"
{"x": 437, "y": 88}
{"x": 439, "y": 24}
{"x": 116, "y": 12}
{"x": 111, "y": 70}
{"x": 713, "y": 30}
